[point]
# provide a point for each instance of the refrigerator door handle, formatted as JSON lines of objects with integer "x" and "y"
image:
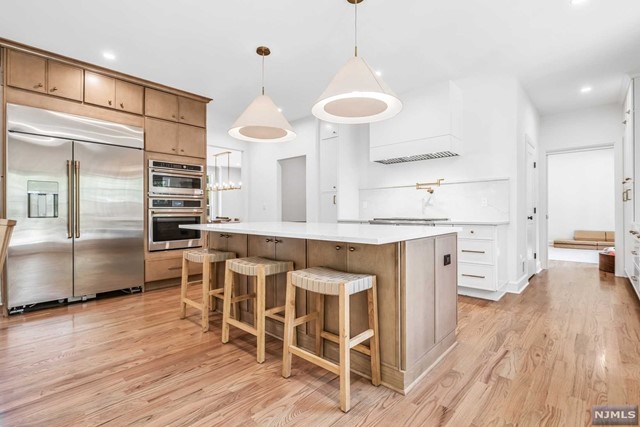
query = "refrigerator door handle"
{"x": 77, "y": 193}
{"x": 69, "y": 200}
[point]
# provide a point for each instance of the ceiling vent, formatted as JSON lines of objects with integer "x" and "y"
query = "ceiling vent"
{"x": 417, "y": 158}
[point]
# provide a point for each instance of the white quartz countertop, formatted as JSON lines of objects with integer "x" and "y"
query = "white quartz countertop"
{"x": 348, "y": 233}
{"x": 462, "y": 222}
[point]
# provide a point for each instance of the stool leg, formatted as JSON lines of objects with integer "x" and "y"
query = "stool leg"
{"x": 344, "y": 338}
{"x": 260, "y": 304}
{"x": 206, "y": 278}
{"x": 183, "y": 288}
{"x": 320, "y": 325}
{"x": 213, "y": 280}
{"x": 374, "y": 342}
{"x": 226, "y": 306}
{"x": 289, "y": 330}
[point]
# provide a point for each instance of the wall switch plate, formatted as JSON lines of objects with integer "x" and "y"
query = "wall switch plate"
{"x": 447, "y": 259}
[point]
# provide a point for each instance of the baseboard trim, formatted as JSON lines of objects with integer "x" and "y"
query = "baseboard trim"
{"x": 479, "y": 293}
{"x": 518, "y": 286}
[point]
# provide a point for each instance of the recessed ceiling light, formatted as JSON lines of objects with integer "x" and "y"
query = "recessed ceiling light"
{"x": 378, "y": 73}
{"x": 279, "y": 110}
{"x": 586, "y": 89}
{"x": 109, "y": 55}
{"x": 577, "y": 2}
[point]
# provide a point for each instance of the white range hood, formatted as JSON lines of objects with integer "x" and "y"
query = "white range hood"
{"x": 429, "y": 127}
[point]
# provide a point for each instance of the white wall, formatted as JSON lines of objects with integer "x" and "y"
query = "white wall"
{"x": 584, "y": 128}
{"x": 582, "y": 194}
{"x": 263, "y": 184}
{"x": 293, "y": 182}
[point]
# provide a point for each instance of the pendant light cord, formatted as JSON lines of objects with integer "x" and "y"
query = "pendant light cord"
{"x": 356, "y": 27}
{"x": 263, "y": 73}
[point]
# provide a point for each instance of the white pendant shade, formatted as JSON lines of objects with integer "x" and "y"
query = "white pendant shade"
{"x": 262, "y": 122}
{"x": 357, "y": 95}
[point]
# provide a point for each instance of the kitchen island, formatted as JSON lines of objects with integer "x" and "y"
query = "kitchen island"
{"x": 416, "y": 269}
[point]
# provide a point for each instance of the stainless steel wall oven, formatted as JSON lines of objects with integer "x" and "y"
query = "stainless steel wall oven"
{"x": 167, "y": 179}
{"x": 166, "y": 216}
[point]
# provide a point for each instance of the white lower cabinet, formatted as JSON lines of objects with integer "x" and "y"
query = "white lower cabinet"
{"x": 482, "y": 267}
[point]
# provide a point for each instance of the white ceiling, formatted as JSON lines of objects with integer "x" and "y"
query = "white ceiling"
{"x": 208, "y": 46}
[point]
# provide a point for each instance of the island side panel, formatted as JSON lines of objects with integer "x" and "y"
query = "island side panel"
{"x": 419, "y": 299}
{"x": 446, "y": 286}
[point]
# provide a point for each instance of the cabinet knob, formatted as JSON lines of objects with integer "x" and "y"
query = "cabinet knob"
{"x": 53, "y": 89}
{"x": 38, "y": 86}
{"x": 278, "y": 241}
{"x": 173, "y": 116}
{"x": 122, "y": 105}
{"x": 110, "y": 102}
{"x": 352, "y": 249}
{"x": 624, "y": 122}
{"x": 473, "y": 232}
{"x": 182, "y": 150}
{"x": 338, "y": 247}
{"x": 181, "y": 117}
{"x": 173, "y": 149}
{"x": 269, "y": 240}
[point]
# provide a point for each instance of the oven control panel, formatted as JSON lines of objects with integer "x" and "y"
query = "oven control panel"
{"x": 175, "y": 203}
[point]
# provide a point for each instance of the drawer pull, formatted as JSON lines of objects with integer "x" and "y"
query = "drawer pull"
{"x": 474, "y": 276}
{"x": 473, "y": 252}
{"x": 175, "y": 268}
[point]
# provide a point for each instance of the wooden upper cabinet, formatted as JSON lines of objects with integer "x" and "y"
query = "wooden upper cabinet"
{"x": 161, "y": 105}
{"x": 192, "y": 112}
{"x": 192, "y": 141}
{"x": 129, "y": 97}
{"x": 160, "y": 136}
{"x": 64, "y": 80}
{"x": 26, "y": 71}
{"x": 99, "y": 90}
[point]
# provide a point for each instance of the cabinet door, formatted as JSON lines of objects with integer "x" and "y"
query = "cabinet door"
{"x": 192, "y": 112}
{"x": 328, "y": 207}
{"x": 129, "y": 97}
{"x": 26, "y": 71}
{"x": 160, "y": 136}
{"x": 99, "y": 90}
{"x": 64, "y": 80}
{"x": 327, "y": 254}
{"x": 160, "y": 104}
{"x": 446, "y": 286}
{"x": 288, "y": 249}
{"x": 329, "y": 164}
{"x": 192, "y": 141}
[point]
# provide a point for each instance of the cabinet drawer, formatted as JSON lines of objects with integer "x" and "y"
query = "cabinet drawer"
{"x": 477, "y": 276}
{"x": 481, "y": 251}
{"x": 171, "y": 268}
{"x": 477, "y": 232}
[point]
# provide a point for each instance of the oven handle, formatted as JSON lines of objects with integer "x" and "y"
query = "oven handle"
{"x": 165, "y": 214}
{"x": 171, "y": 172}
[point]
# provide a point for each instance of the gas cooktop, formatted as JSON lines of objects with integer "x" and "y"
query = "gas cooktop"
{"x": 407, "y": 221}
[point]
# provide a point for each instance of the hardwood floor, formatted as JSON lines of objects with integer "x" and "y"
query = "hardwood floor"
{"x": 571, "y": 340}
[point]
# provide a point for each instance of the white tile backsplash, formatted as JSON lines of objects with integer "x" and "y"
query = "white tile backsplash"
{"x": 486, "y": 200}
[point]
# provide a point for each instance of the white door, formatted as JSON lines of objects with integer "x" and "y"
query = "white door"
{"x": 532, "y": 228}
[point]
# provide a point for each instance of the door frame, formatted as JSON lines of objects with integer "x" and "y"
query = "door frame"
{"x": 544, "y": 231}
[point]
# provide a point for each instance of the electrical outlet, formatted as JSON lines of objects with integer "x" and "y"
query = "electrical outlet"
{"x": 484, "y": 202}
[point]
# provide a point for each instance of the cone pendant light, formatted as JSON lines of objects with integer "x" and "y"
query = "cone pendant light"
{"x": 262, "y": 121}
{"x": 356, "y": 94}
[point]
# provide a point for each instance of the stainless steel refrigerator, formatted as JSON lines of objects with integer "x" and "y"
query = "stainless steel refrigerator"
{"x": 75, "y": 186}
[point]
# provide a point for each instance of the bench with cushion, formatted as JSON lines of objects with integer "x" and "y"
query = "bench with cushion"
{"x": 587, "y": 239}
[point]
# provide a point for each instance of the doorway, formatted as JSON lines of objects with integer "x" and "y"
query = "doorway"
{"x": 581, "y": 203}
{"x": 293, "y": 189}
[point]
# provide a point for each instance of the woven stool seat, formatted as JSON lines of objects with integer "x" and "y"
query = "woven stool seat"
{"x": 249, "y": 266}
{"x": 327, "y": 281}
{"x": 207, "y": 255}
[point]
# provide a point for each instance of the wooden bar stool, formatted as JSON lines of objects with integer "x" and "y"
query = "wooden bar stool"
{"x": 324, "y": 281}
{"x": 208, "y": 258}
{"x": 259, "y": 268}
